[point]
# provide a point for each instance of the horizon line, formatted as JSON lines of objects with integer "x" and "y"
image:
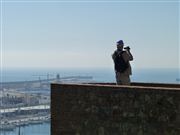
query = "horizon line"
{"x": 94, "y": 1}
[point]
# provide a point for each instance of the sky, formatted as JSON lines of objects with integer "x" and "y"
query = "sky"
{"x": 83, "y": 34}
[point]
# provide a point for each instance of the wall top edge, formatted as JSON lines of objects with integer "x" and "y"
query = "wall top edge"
{"x": 137, "y": 86}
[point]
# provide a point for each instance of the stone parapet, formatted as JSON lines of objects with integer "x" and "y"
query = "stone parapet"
{"x": 107, "y": 109}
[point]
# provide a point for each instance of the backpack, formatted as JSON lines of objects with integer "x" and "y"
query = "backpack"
{"x": 120, "y": 64}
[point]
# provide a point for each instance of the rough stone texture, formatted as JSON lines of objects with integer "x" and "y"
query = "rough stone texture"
{"x": 114, "y": 110}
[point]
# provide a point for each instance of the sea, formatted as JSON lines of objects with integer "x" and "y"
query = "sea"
{"x": 36, "y": 129}
{"x": 151, "y": 75}
{"x": 156, "y": 75}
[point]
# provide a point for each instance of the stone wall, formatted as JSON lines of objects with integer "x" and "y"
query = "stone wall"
{"x": 92, "y": 109}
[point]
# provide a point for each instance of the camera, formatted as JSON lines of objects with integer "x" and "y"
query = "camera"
{"x": 127, "y": 48}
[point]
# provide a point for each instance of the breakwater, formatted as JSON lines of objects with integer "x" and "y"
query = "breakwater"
{"x": 108, "y": 109}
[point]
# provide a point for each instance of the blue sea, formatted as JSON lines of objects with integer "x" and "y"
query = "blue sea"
{"x": 36, "y": 129}
{"x": 157, "y": 75}
{"x": 98, "y": 74}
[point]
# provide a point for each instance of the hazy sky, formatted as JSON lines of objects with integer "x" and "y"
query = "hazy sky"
{"x": 84, "y": 34}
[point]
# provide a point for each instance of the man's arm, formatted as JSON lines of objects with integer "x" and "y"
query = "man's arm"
{"x": 130, "y": 55}
{"x": 127, "y": 56}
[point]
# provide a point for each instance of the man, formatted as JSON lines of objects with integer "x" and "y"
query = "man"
{"x": 122, "y": 66}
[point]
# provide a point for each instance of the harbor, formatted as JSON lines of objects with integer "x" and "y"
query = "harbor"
{"x": 22, "y": 116}
{"x": 11, "y": 124}
{"x": 27, "y": 103}
{"x": 30, "y": 129}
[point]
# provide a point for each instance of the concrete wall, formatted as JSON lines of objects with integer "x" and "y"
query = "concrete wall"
{"x": 94, "y": 109}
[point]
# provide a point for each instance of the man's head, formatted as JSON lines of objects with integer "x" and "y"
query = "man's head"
{"x": 120, "y": 45}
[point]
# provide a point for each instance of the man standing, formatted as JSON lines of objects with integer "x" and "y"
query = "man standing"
{"x": 122, "y": 65}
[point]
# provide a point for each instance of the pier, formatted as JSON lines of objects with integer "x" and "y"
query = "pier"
{"x": 28, "y": 108}
{"x": 13, "y": 117}
{"x": 7, "y": 125}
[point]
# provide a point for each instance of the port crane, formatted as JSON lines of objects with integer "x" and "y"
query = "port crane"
{"x": 47, "y": 75}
